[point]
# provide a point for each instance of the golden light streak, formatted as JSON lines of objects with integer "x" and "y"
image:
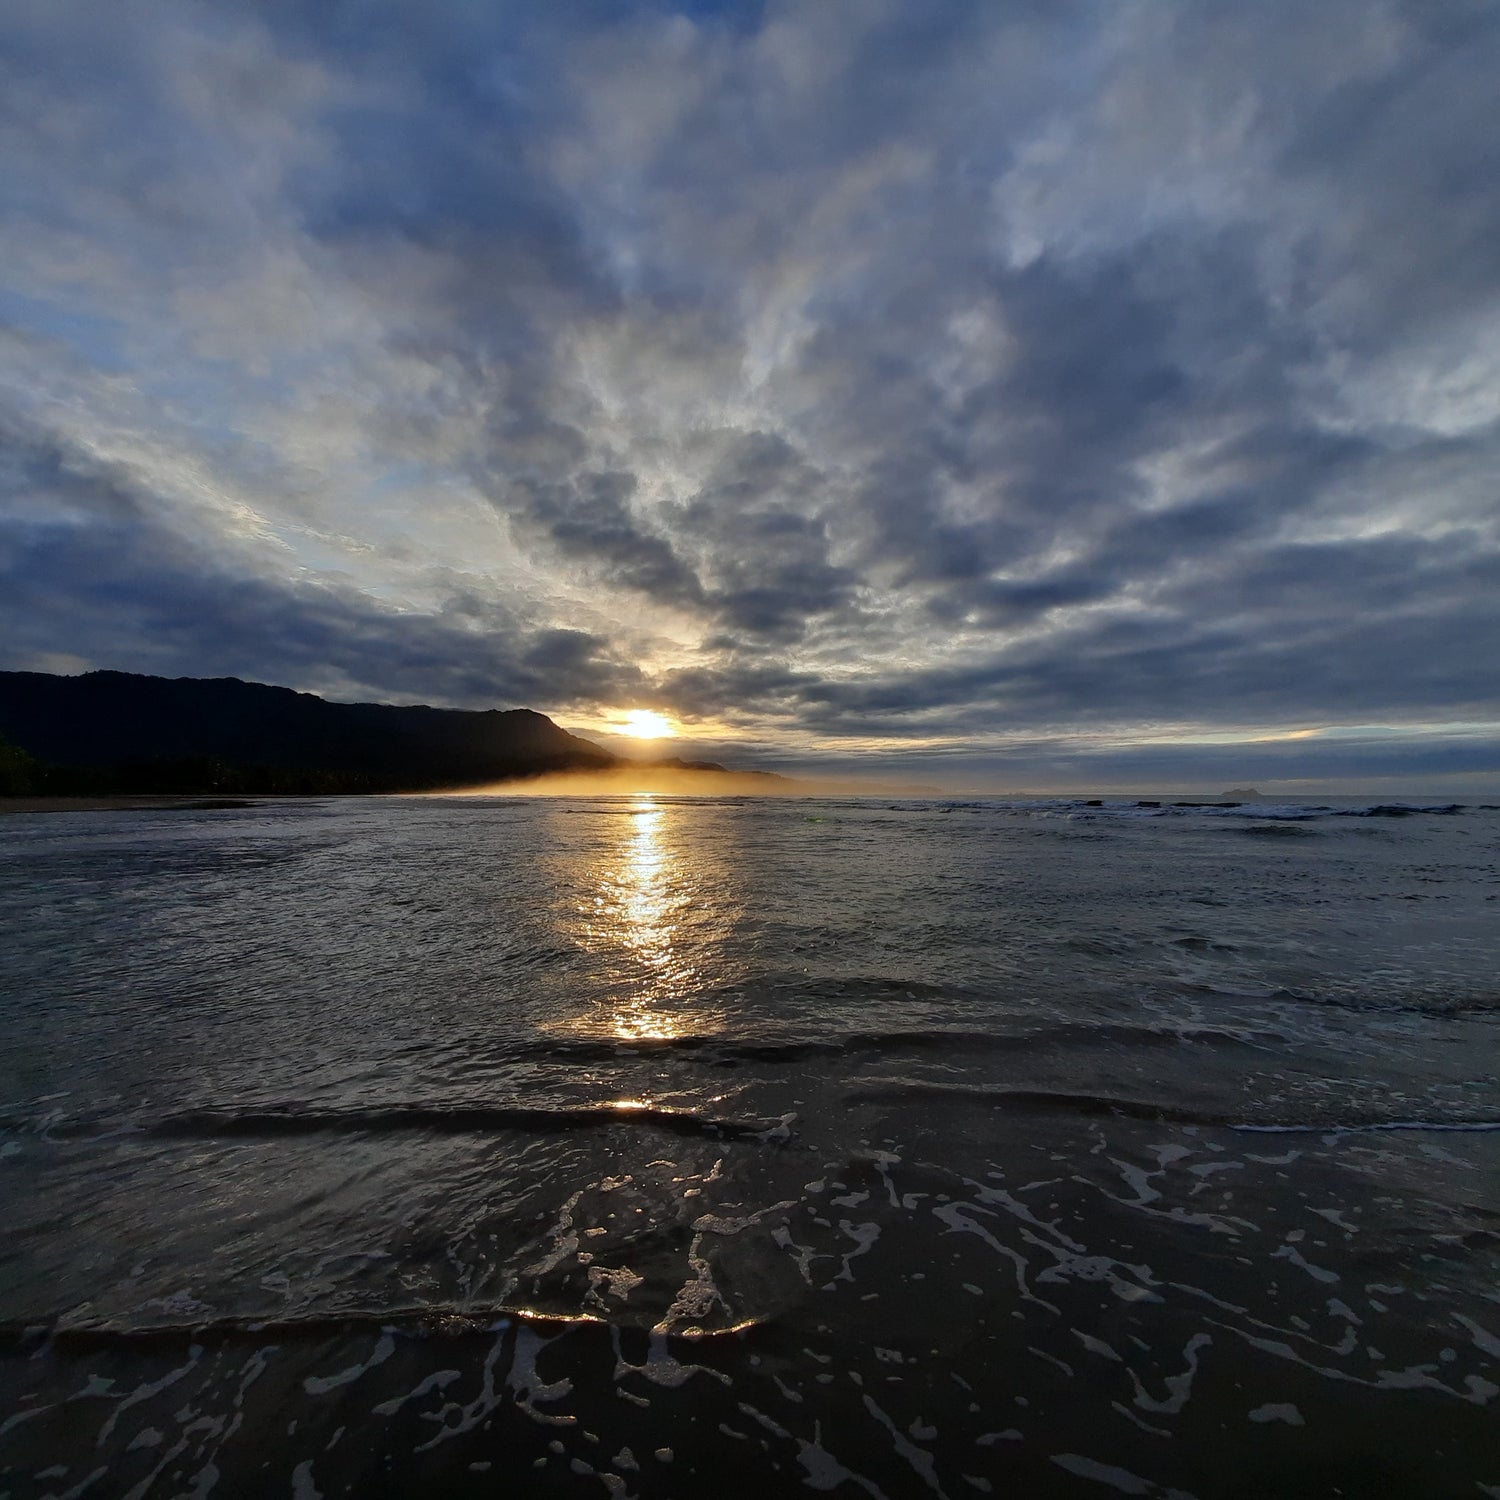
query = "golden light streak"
{"x": 641, "y": 915}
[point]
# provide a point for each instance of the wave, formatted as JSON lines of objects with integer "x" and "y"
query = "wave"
{"x": 1401, "y": 810}
{"x": 1260, "y": 811}
{"x": 216, "y": 1121}
{"x": 1482, "y": 1005}
{"x": 454, "y": 1119}
{"x": 1435, "y": 1009}
{"x": 413, "y": 1321}
{"x": 1294, "y": 827}
{"x": 1058, "y": 1101}
{"x": 722, "y": 1051}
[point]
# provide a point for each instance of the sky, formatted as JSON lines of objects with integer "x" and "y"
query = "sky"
{"x": 1006, "y": 394}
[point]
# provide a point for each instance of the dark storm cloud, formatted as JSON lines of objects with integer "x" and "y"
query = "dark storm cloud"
{"x": 588, "y": 518}
{"x": 757, "y": 521}
{"x": 1368, "y": 626}
{"x": 857, "y": 371}
{"x": 74, "y": 591}
{"x": 88, "y": 573}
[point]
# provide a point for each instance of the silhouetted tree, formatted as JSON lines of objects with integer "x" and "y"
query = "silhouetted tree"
{"x": 18, "y": 771}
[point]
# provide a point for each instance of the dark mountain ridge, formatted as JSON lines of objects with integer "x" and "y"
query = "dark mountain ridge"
{"x": 124, "y": 731}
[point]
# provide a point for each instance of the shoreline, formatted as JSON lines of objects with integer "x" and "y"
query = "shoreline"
{"x": 143, "y": 802}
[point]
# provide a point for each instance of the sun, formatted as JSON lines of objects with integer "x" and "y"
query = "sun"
{"x": 644, "y": 724}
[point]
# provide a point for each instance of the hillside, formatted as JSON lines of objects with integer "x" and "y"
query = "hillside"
{"x": 108, "y": 731}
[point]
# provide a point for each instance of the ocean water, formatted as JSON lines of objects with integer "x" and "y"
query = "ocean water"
{"x": 653, "y": 1146}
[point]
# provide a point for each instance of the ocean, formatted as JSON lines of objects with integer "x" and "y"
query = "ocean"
{"x": 751, "y": 1147}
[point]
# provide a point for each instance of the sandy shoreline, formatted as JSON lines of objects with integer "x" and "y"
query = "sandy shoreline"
{"x": 144, "y": 803}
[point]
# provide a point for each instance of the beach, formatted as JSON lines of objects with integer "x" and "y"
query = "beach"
{"x": 660, "y": 1146}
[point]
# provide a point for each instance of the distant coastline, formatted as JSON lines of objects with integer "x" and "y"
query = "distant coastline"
{"x": 11, "y": 804}
{"x": 124, "y": 741}
{"x": 119, "y": 734}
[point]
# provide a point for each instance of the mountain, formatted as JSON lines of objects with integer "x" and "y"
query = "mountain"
{"x": 118, "y": 731}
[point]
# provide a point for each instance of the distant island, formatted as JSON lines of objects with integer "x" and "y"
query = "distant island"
{"x": 114, "y": 733}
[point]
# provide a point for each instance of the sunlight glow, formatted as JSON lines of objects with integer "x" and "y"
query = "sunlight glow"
{"x": 646, "y": 724}
{"x": 650, "y": 906}
{"x": 646, "y": 902}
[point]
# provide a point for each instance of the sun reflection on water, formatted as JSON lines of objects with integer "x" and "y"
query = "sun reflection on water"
{"x": 643, "y": 900}
{"x": 654, "y": 912}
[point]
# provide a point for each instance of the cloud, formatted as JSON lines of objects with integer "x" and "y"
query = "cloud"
{"x": 88, "y": 573}
{"x": 831, "y": 374}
